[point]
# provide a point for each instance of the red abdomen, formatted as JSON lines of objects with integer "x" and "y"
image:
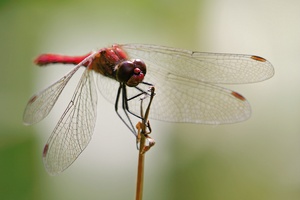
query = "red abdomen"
{"x": 103, "y": 63}
{"x": 45, "y": 59}
{"x": 111, "y": 62}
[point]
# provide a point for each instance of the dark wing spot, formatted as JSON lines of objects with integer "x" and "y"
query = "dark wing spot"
{"x": 45, "y": 150}
{"x": 239, "y": 96}
{"x": 257, "y": 58}
{"x": 32, "y": 99}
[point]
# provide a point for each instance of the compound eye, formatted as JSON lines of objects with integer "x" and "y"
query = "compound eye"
{"x": 141, "y": 65}
{"x": 125, "y": 71}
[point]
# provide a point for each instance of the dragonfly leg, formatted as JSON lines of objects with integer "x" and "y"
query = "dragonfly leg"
{"x": 129, "y": 123}
{"x": 142, "y": 127}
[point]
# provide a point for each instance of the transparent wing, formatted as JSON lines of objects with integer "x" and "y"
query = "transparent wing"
{"x": 184, "y": 82}
{"x": 183, "y": 100}
{"x": 74, "y": 129}
{"x": 205, "y": 67}
{"x": 40, "y": 104}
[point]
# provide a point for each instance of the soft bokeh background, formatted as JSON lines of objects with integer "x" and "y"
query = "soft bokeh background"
{"x": 256, "y": 159}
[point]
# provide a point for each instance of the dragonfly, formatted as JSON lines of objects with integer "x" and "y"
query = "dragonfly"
{"x": 187, "y": 89}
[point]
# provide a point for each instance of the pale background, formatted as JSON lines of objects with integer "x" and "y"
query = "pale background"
{"x": 256, "y": 159}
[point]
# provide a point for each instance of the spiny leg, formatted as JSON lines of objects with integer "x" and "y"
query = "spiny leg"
{"x": 125, "y": 106}
{"x": 129, "y": 126}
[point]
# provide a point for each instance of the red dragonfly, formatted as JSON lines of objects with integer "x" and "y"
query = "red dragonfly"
{"x": 185, "y": 91}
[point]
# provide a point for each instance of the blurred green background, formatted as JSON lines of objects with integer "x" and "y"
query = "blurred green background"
{"x": 256, "y": 159}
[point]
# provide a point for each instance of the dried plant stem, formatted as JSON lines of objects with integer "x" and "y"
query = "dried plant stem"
{"x": 140, "y": 173}
{"x": 143, "y": 147}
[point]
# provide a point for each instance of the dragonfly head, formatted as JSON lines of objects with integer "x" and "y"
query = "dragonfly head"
{"x": 131, "y": 72}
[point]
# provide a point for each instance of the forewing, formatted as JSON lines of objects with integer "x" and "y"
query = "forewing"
{"x": 199, "y": 66}
{"x": 184, "y": 82}
{"x": 74, "y": 129}
{"x": 40, "y": 104}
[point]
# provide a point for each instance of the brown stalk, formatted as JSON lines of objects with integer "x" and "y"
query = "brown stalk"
{"x": 144, "y": 146}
